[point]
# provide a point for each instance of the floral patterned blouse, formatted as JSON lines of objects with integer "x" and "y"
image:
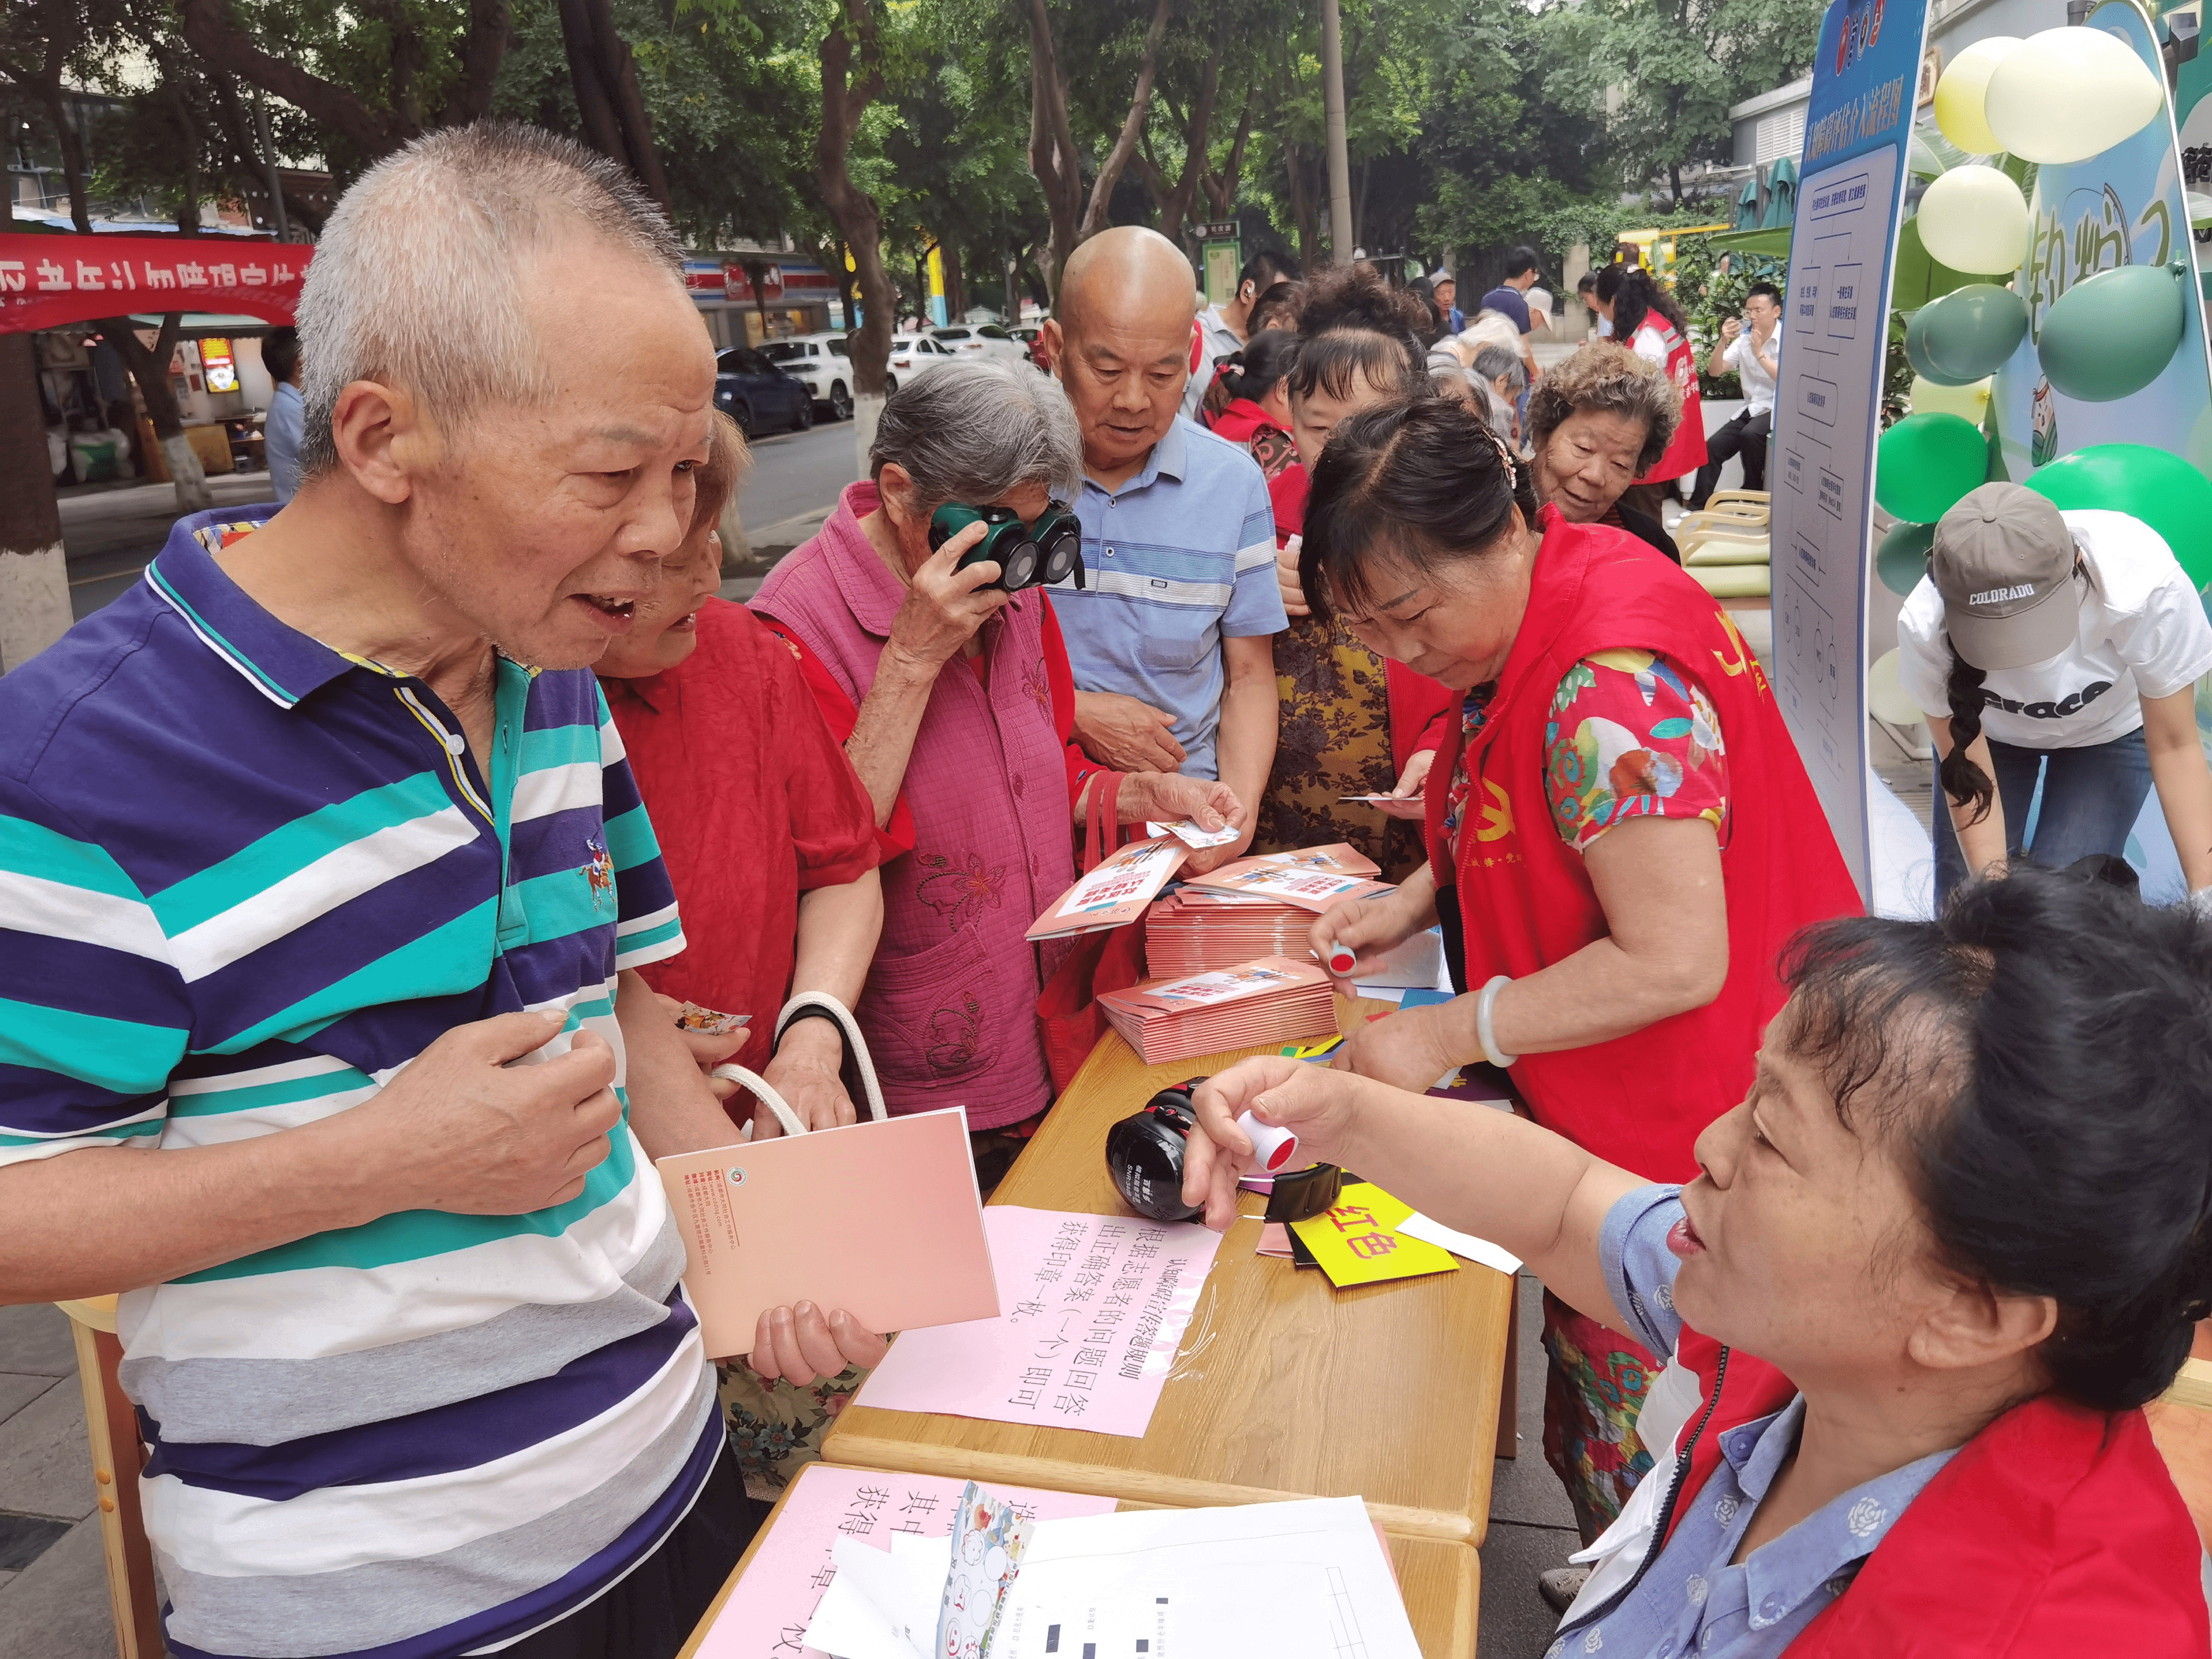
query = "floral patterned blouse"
{"x": 1631, "y": 735}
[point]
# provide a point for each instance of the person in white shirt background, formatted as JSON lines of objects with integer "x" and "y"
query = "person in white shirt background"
{"x": 1754, "y": 353}
{"x": 2066, "y": 648}
{"x": 1222, "y": 329}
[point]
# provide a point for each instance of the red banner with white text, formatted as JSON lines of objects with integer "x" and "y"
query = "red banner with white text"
{"x": 50, "y": 281}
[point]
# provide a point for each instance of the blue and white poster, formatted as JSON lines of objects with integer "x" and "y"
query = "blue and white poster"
{"x": 1828, "y": 405}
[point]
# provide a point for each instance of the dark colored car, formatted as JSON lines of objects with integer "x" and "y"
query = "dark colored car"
{"x": 759, "y": 396}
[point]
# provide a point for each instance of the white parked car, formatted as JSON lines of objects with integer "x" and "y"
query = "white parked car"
{"x": 987, "y": 340}
{"x": 910, "y": 355}
{"x": 820, "y": 360}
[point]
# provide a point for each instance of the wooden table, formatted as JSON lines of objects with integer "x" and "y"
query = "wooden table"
{"x": 1284, "y": 1387}
{"x": 1442, "y": 1584}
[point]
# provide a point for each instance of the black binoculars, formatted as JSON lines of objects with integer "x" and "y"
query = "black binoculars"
{"x": 1036, "y": 555}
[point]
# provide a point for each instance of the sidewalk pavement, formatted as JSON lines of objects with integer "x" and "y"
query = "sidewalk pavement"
{"x": 53, "y": 1582}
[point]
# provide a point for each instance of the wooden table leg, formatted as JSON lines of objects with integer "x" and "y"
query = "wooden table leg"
{"x": 111, "y": 1430}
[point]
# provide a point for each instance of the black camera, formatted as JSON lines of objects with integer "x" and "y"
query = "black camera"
{"x": 1144, "y": 1156}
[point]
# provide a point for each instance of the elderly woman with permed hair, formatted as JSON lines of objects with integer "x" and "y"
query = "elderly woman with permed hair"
{"x": 955, "y": 703}
{"x": 1596, "y": 424}
{"x": 1621, "y": 835}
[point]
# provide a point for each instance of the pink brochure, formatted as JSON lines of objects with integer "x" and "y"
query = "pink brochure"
{"x": 881, "y": 1219}
{"x": 767, "y": 1614}
{"x": 1096, "y": 1308}
{"x": 1307, "y": 887}
{"x": 1117, "y": 892}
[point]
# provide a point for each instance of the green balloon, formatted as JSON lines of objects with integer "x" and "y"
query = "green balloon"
{"x": 1902, "y": 559}
{"x": 2155, "y": 485}
{"x": 2112, "y": 336}
{"x": 1925, "y": 463}
{"x": 1968, "y": 333}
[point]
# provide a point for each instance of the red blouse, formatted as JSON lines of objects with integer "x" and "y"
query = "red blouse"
{"x": 840, "y": 712}
{"x": 753, "y": 802}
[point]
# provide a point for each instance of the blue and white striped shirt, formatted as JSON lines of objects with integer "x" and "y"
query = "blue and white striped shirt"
{"x": 244, "y": 881}
{"x": 1180, "y": 557}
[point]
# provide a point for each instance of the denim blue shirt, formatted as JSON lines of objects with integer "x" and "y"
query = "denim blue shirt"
{"x": 1180, "y": 557}
{"x": 1691, "y": 1600}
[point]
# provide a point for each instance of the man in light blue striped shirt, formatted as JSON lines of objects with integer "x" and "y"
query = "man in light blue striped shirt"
{"x": 322, "y": 879}
{"x": 1172, "y": 640}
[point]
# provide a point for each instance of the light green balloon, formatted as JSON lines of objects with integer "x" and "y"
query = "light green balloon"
{"x": 1902, "y": 559}
{"x": 1967, "y": 334}
{"x": 1925, "y": 463}
{"x": 2112, "y": 336}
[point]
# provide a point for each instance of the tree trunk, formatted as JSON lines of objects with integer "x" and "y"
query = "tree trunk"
{"x": 35, "y": 595}
{"x": 150, "y": 369}
{"x": 1053, "y": 156}
{"x": 1305, "y": 206}
{"x": 955, "y": 282}
{"x": 1125, "y": 144}
{"x": 612, "y": 108}
{"x": 1221, "y": 187}
{"x": 852, "y": 210}
{"x": 844, "y": 287}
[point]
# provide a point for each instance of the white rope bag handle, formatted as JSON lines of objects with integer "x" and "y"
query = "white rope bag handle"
{"x": 855, "y": 1046}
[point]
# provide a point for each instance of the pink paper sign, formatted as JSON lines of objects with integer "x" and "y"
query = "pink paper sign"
{"x": 1097, "y": 1306}
{"x": 767, "y": 1615}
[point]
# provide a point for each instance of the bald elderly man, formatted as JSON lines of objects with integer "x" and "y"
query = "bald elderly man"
{"x": 326, "y": 883}
{"x": 1172, "y": 642}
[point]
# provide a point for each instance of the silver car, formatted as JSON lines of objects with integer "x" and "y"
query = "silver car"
{"x": 819, "y": 360}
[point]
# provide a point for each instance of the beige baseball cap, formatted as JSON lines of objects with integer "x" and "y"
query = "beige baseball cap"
{"x": 2003, "y": 562}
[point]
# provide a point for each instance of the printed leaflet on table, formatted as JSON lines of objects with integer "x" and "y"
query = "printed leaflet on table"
{"x": 767, "y": 1614}
{"x": 1095, "y": 1308}
{"x": 1270, "y": 1000}
{"x": 1313, "y": 880}
{"x": 908, "y": 1249}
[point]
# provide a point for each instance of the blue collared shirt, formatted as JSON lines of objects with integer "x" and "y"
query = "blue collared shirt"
{"x": 1180, "y": 556}
{"x": 1692, "y": 1600}
{"x": 285, "y": 430}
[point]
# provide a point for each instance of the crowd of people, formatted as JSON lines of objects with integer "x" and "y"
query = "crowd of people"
{"x": 389, "y": 871}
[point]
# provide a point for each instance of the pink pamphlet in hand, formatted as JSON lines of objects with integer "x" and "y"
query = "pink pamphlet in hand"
{"x": 1310, "y": 885}
{"x": 1115, "y": 893}
{"x": 881, "y": 1219}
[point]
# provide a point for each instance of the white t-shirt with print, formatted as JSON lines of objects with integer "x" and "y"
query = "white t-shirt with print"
{"x": 2143, "y": 633}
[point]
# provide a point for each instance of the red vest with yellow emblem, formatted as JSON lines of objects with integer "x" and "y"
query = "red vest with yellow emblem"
{"x": 1686, "y": 451}
{"x": 1526, "y": 901}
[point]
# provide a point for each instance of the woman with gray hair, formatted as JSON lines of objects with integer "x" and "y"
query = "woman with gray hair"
{"x": 955, "y": 703}
{"x": 1596, "y": 424}
{"x": 1500, "y": 377}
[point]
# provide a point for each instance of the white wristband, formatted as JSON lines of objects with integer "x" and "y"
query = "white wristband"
{"x": 1483, "y": 1006}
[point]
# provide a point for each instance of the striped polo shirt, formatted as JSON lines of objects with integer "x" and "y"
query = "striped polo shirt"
{"x": 1178, "y": 558}
{"x": 246, "y": 880}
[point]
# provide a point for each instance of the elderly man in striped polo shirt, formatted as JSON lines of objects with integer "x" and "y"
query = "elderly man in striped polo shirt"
{"x": 324, "y": 878}
{"x": 1172, "y": 639}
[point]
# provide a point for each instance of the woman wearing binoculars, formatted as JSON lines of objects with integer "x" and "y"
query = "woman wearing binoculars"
{"x": 1928, "y": 1270}
{"x": 952, "y": 696}
{"x": 1619, "y": 833}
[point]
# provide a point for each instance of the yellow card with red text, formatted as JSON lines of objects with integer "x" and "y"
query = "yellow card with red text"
{"x": 1357, "y": 1243}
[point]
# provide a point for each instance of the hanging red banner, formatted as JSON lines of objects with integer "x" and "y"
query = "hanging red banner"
{"x": 50, "y": 281}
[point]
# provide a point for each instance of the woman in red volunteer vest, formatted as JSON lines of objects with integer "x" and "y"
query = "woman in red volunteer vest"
{"x": 1621, "y": 835}
{"x": 1930, "y": 1269}
{"x": 1644, "y": 317}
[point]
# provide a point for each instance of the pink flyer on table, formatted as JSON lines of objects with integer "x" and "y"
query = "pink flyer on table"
{"x": 1096, "y": 1309}
{"x": 767, "y": 1615}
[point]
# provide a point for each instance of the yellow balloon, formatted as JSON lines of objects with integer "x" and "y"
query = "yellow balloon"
{"x": 1886, "y": 698}
{"x": 1959, "y": 91}
{"x": 1967, "y": 402}
{"x": 2067, "y": 94}
{"x": 1974, "y": 219}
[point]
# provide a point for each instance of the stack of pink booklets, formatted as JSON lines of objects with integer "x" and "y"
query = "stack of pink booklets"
{"x": 1273, "y": 999}
{"x": 1255, "y": 907}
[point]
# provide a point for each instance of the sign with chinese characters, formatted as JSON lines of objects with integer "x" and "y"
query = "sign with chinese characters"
{"x": 767, "y": 1615}
{"x": 49, "y": 282}
{"x": 1359, "y": 1240}
{"x": 1097, "y": 1306}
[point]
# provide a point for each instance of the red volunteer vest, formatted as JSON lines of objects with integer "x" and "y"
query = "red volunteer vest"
{"x": 1686, "y": 452}
{"x": 2055, "y": 1532}
{"x": 1527, "y": 902}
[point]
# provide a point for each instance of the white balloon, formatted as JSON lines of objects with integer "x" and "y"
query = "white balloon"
{"x": 1975, "y": 220}
{"x": 1969, "y": 402}
{"x": 2067, "y": 94}
{"x": 1886, "y": 697}
{"x": 1961, "y": 90}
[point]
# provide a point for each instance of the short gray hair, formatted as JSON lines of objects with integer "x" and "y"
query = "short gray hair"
{"x": 970, "y": 431}
{"x": 1493, "y": 360}
{"x": 416, "y": 280}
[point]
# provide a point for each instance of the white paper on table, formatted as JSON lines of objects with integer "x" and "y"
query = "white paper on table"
{"x": 1301, "y": 1580}
{"x": 882, "y": 1604}
{"x": 1190, "y": 835}
{"x": 1418, "y": 1225}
